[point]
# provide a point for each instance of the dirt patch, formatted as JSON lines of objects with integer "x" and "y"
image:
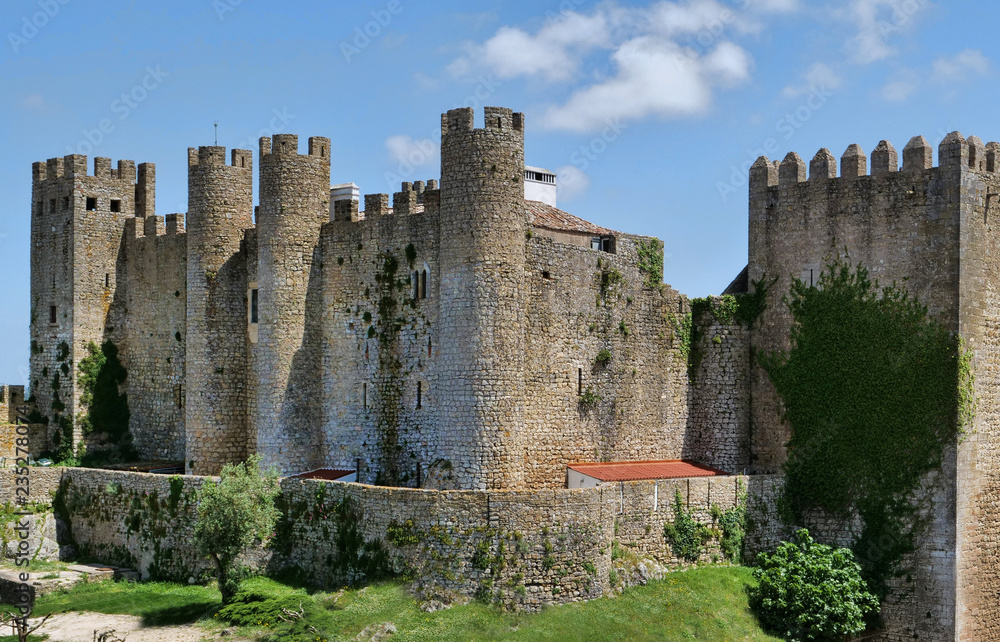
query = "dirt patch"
{"x": 80, "y": 627}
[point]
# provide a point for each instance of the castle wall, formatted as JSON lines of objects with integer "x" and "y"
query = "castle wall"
{"x": 154, "y": 282}
{"x": 718, "y": 427}
{"x": 382, "y": 340}
{"x": 525, "y": 548}
{"x": 294, "y": 203}
{"x": 582, "y": 301}
{"x": 220, "y": 208}
{"x": 901, "y": 225}
{"x": 978, "y": 470}
{"x": 483, "y": 229}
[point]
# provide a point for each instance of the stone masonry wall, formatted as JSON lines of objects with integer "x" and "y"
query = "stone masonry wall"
{"x": 902, "y": 225}
{"x": 580, "y": 302}
{"x": 155, "y": 287}
{"x": 718, "y": 428}
{"x": 525, "y": 548}
{"x": 381, "y": 340}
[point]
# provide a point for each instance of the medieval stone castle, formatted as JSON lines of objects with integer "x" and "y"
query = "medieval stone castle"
{"x": 467, "y": 337}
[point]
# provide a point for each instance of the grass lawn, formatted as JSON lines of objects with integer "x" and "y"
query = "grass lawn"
{"x": 699, "y": 604}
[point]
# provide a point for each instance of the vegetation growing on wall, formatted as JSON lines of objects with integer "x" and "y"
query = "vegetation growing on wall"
{"x": 390, "y": 375}
{"x": 650, "y": 253}
{"x": 686, "y": 535}
{"x": 874, "y": 391}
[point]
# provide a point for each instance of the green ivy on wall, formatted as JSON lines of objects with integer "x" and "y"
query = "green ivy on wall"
{"x": 874, "y": 390}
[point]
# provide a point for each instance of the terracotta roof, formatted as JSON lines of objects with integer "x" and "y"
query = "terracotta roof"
{"x": 553, "y": 218}
{"x": 636, "y": 470}
{"x": 329, "y": 474}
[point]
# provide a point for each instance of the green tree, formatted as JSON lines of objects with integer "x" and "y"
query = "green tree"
{"x": 231, "y": 514}
{"x": 810, "y": 591}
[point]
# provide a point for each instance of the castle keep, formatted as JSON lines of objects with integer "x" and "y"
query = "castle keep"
{"x": 459, "y": 337}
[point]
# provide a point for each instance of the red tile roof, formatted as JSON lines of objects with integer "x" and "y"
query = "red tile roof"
{"x": 636, "y": 470}
{"x": 553, "y": 218}
{"x": 329, "y": 474}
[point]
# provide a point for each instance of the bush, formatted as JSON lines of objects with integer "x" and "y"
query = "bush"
{"x": 810, "y": 591}
{"x": 686, "y": 535}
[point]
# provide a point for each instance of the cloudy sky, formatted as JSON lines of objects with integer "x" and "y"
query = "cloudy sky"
{"x": 651, "y": 112}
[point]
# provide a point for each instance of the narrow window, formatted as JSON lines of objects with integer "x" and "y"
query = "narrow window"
{"x": 107, "y": 280}
{"x": 546, "y": 275}
{"x": 65, "y": 202}
{"x": 364, "y": 395}
{"x": 52, "y": 314}
{"x": 579, "y": 381}
{"x": 423, "y": 284}
{"x": 178, "y": 395}
{"x": 420, "y": 392}
{"x": 428, "y": 346}
{"x": 366, "y": 351}
{"x": 116, "y": 205}
{"x": 254, "y": 305}
{"x": 91, "y": 203}
{"x": 595, "y": 243}
{"x": 52, "y": 205}
{"x": 415, "y": 277}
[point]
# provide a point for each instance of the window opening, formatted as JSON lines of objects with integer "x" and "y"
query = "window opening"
{"x": 107, "y": 280}
{"x": 52, "y": 314}
{"x": 420, "y": 392}
{"x": 428, "y": 346}
{"x": 579, "y": 381}
{"x": 423, "y": 284}
{"x": 65, "y": 202}
{"x": 254, "y": 305}
{"x": 116, "y": 205}
{"x": 91, "y": 203}
{"x": 364, "y": 395}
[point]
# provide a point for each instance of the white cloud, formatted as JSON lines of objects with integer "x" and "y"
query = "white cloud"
{"x": 899, "y": 90}
{"x": 410, "y": 152}
{"x": 664, "y": 60}
{"x": 571, "y": 181}
{"x": 959, "y": 67}
{"x": 876, "y": 22}
{"x": 819, "y": 76}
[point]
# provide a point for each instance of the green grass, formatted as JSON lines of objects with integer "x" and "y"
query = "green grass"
{"x": 698, "y": 604}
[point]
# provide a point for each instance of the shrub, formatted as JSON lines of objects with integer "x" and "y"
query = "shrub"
{"x": 810, "y": 591}
{"x": 687, "y": 537}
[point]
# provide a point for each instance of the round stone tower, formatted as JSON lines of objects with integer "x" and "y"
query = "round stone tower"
{"x": 481, "y": 357}
{"x": 220, "y": 208}
{"x": 294, "y": 203}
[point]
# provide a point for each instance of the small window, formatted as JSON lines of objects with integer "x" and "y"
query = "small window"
{"x": 116, "y": 205}
{"x": 178, "y": 395}
{"x": 107, "y": 280}
{"x": 546, "y": 275}
{"x": 52, "y": 205}
{"x": 579, "y": 381}
{"x": 420, "y": 394}
{"x": 91, "y": 203}
{"x": 254, "y": 305}
{"x": 423, "y": 284}
{"x": 52, "y": 314}
{"x": 65, "y": 202}
{"x": 595, "y": 243}
{"x": 429, "y": 347}
{"x": 415, "y": 277}
{"x": 364, "y": 395}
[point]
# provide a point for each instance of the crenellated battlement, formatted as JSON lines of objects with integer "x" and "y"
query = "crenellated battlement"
{"x": 75, "y": 166}
{"x": 954, "y": 153}
{"x": 212, "y": 155}
{"x": 287, "y": 145}
{"x": 138, "y": 227}
{"x": 498, "y": 119}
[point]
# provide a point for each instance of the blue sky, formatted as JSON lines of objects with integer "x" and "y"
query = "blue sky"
{"x": 650, "y": 111}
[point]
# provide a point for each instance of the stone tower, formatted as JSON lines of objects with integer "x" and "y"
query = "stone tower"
{"x": 220, "y": 208}
{"x": 294, "y": 203}
{"x": 77, "y": 223}
{"x": 481, "y": 358}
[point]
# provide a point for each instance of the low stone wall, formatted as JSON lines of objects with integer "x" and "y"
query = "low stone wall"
{"x": 41, "y": 487}
{"x": 522, "y": 548}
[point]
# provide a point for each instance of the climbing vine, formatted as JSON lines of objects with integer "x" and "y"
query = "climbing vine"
{"x": 650, "y": 253}
{"x": 100, "y": 379}
{"x": 874, "y": 390}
